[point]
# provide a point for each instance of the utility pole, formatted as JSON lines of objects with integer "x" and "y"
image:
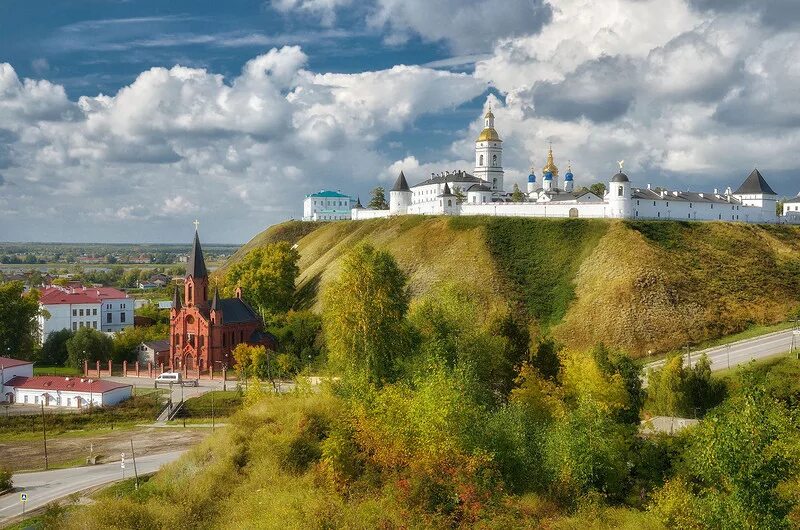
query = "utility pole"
{"x": 212, "y": 411}
{"x": 44, "y": 436}
{"x": 136, "y": 473}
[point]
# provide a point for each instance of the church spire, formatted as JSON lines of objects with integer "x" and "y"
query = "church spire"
{"x": 196, "y": 266}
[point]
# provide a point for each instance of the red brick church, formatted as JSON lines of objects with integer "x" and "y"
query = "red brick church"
{"x": 204, "y": 333}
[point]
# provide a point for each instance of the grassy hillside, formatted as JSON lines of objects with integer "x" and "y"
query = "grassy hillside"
{"x": 635, "y": 285}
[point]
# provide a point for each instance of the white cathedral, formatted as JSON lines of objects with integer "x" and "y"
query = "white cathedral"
{"x": 483, "y": 193}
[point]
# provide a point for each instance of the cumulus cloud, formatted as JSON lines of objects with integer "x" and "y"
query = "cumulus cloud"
{"x": 658, "y": 83}
{"x": 690, "y": 94}
{"x": 179, "y": 142}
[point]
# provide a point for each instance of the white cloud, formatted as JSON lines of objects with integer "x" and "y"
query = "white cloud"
{"x": 183, "y": 142}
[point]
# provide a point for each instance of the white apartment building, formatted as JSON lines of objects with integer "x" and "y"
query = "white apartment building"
{"x": 101, "y": 308}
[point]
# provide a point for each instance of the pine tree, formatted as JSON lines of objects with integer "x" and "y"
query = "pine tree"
{"x": 517, "y": 195}
{"x": 378, "y": 200}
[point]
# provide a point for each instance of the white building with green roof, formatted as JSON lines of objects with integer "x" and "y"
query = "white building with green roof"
{"x": 327, "y": 205}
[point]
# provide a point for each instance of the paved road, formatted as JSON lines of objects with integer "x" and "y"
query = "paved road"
{"x": 46, "y": 486}
{"x": 742, "y": 352}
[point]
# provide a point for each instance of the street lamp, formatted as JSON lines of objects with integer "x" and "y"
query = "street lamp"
{"x": 224, "y": 365}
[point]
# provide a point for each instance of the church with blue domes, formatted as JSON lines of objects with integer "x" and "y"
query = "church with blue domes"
{"x": 482, "y": 192}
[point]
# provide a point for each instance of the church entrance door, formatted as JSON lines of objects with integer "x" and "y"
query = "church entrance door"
{"x": 573, "y": 212}
{"x": 189, "y": 362}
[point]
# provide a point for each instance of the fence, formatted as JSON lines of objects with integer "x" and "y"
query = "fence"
{"x": 149, "y": 370}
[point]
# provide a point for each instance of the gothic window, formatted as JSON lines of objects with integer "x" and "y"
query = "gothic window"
{"x": 190, "y": 294}
{"x": 481, "y": 162}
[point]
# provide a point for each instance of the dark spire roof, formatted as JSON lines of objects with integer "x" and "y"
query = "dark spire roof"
{"x": 358, "y": 204}
{"x": 754, "y": 184}
{"x": 400, "y": 184}
{"x": 446, "y": 191}
{"x": 215, "y": 300}
{"x": 176, "y": 299}
{"x": 196, "y": 267}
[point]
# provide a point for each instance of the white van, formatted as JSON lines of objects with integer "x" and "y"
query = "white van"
{"x": 174, "y": 378}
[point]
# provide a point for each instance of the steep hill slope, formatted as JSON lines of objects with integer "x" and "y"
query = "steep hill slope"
{"x": 636, "y": 285}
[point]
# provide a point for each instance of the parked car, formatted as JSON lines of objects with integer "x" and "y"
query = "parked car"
{"x": 174, "y": 378}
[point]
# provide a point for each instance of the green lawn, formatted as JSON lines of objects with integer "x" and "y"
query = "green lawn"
{"x": 225, "y": 404}
{"x": 55, "y": 370}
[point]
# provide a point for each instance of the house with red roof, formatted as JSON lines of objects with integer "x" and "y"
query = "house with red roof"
{"x": 70, "y": 392}
{"x": 10, "y": 369}
{"x": 75, "y": 307}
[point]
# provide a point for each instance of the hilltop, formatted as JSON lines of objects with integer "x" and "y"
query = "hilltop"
{"x": 638, "y": 286}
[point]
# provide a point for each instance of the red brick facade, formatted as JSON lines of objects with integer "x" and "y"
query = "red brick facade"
{"x": 204, "y": 333}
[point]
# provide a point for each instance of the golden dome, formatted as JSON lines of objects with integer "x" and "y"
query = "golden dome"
{"x": 489, "y": 134}
{"x": 550, "y": 166}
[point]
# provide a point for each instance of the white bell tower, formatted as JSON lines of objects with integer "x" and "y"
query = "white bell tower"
{"x": 489, "y": 154}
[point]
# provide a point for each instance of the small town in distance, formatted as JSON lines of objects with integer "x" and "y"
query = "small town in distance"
{"x": 440, "y": 264}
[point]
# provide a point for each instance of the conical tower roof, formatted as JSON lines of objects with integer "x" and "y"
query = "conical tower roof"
{"x": 755, "y": 184}
{"x": 401, "y": 184}
{"x": 196, "y": 266}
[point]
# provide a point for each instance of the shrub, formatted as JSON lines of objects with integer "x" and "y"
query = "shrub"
{"x": 5, "y": 479}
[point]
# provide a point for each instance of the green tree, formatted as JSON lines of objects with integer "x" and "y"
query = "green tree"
{"x": 702, "y": 391}
{"x": 460, "y": 195}
{"x": 665, "y": 389}
{"x": 54, "y": 349}
{"x": 300, "y": 336}
{"x": 779, "y": 208}
{"x": 741, "y": 464}
{"x": 19, "y": 328}
{"x": 517, "y": 195}
{"x": 616, "y": 362}
{"x": 544, "y": 357}
{"x": 598, "y": 188}
{"x": 267, "y": 275}
{"x": 378, "y": 199}
{"x": 364, "y": 314}
{"x": 127, "y": 340}
{"x": 678, "y": 391}
{"x": 88, "y": 345}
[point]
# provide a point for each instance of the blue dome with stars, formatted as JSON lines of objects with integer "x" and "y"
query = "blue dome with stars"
{"x": 568, "y": 177}
{"x": 548, "y": 176}
{"x": 531, "y": 178}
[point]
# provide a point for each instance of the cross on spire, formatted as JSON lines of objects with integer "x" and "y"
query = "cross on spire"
{"x": 196, "y": 224}
{"x": 621, "y": 164}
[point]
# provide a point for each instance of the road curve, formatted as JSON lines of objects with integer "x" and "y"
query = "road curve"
{"x": 46, "y": 486}
{"x": 742, "y": 352}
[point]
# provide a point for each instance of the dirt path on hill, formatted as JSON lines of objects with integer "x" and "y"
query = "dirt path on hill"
{"x": 72, "y": 450}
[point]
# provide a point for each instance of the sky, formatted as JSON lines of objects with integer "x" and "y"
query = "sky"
{"x": 125, "y": 120}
